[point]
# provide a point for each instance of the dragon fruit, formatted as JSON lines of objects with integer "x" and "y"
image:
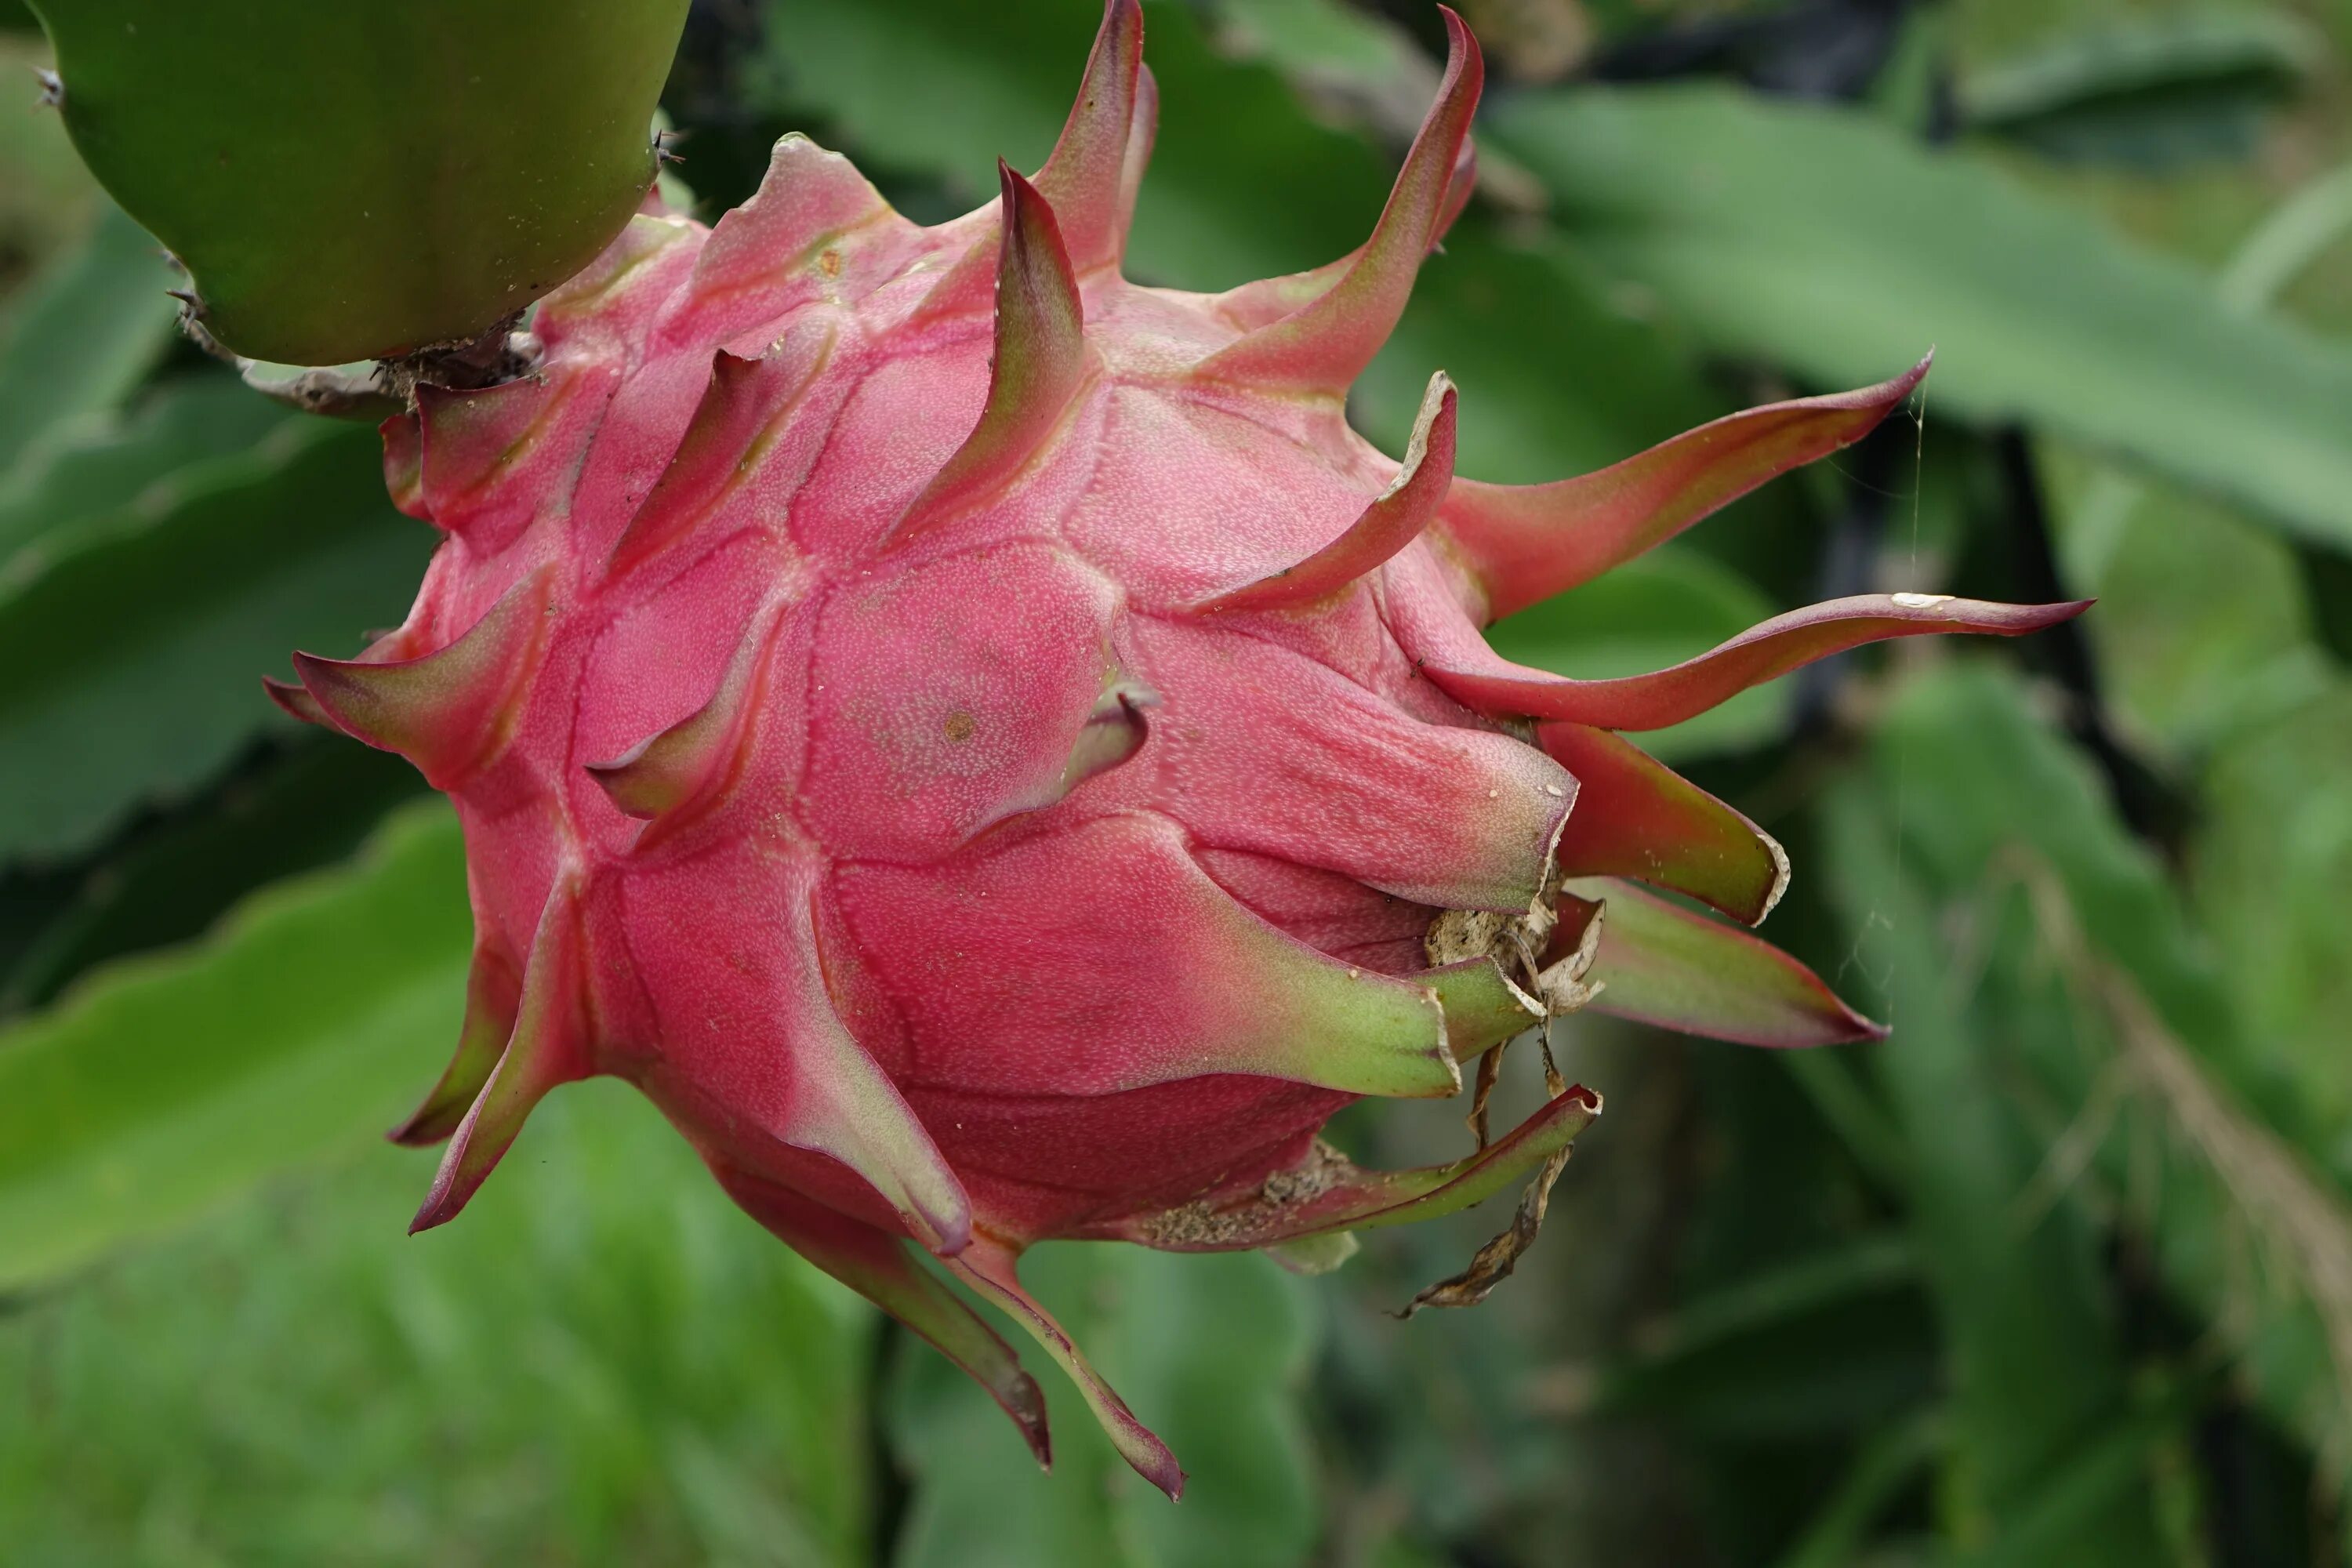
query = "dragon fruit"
{"x": 992, "y": 756}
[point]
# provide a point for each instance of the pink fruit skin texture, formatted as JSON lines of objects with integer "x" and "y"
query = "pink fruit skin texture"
{"x": 989, "y": 752}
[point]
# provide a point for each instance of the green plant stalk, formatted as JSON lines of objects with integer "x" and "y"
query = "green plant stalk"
{"x": 368, "y": 178}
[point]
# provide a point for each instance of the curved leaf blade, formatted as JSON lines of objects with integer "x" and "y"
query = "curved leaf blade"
{"x": 1828, "y": 241}
{"x": 166, "y": 1084}
{"x": 131, "y": 642}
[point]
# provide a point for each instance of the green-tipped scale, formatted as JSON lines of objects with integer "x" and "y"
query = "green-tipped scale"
{"x": 359, "y": 179}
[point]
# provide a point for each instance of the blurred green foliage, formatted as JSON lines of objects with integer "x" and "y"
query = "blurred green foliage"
{"x": 612, "y": 1365}
{"x": 2062, "y": 1274}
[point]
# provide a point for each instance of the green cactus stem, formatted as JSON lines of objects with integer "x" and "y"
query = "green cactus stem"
{"x": 367, "y": 179}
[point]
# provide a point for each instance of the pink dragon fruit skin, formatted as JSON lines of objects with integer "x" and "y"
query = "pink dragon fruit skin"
{"x": 986, "y": 749}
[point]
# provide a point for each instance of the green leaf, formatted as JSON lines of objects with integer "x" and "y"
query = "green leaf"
{"x": 2150, "y": 91}
{"x": 2272, "y": 859}
{"x": 105, "y": 461}
{"x": 1987, "y": 781}
{"x": 132, "y": 643}
{"x": 1888, "y": 1460}
{"x": 2203, "y": 628}
{"x": 309, "y": 806}
{"x": 1327, "y": 39}
{"x": 2008, "y": 849}
{"x": 167, "y": 1084}
{"x": 350, "y": 181}
{"x": 2035, "y": 1365}
{"x": 1649, "y": 613}
{"x": 1827, "y": 241}
{"x": 1812, "y": 1346}
{"x": 83, "y": 334}
{"x": 1207, "y": 1349}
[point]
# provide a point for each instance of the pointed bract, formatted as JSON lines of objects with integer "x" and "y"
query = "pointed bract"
{"x": 988, "y": 1267}
{"x": 1097, "y": 166}
{"x": 671, "y": 776}
{"x": 474, "y": 468}
{"x": 548, "y": 1046}
{"x": 808, "y": 200}
{"x": 493, "y": 998}
{"x": 1331, "y": 1194}
{"x": 845, "y": 1106}
{"x": 1523, "y": 544}
{"x": 1039, "y": 362}
{"x": 1637, "y": 817}
{"x": 403, "y": 464}
{"x": 1114, "y": 732}
{"x": 1459, "y": 187}
{"x": 1085, "y": 180}
{"x": 295, "y": 703}
{"x": 451, "y": 711}
{"x": 1772, "y": 649}
{"x": 744, "y": 409}
{"x": 754, "y": 1044}
{"x": 1265, "y": 301}
{"x": 1483, "y": 1008}
{"x": 691, "y": 763}
{"x": 1395, "y": 518}
{"x": 1142, "y": 130}
{"x": 1324, "y": 344}
{"x": 876, "y": 1265}
{"x": 1660, "y": 963}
